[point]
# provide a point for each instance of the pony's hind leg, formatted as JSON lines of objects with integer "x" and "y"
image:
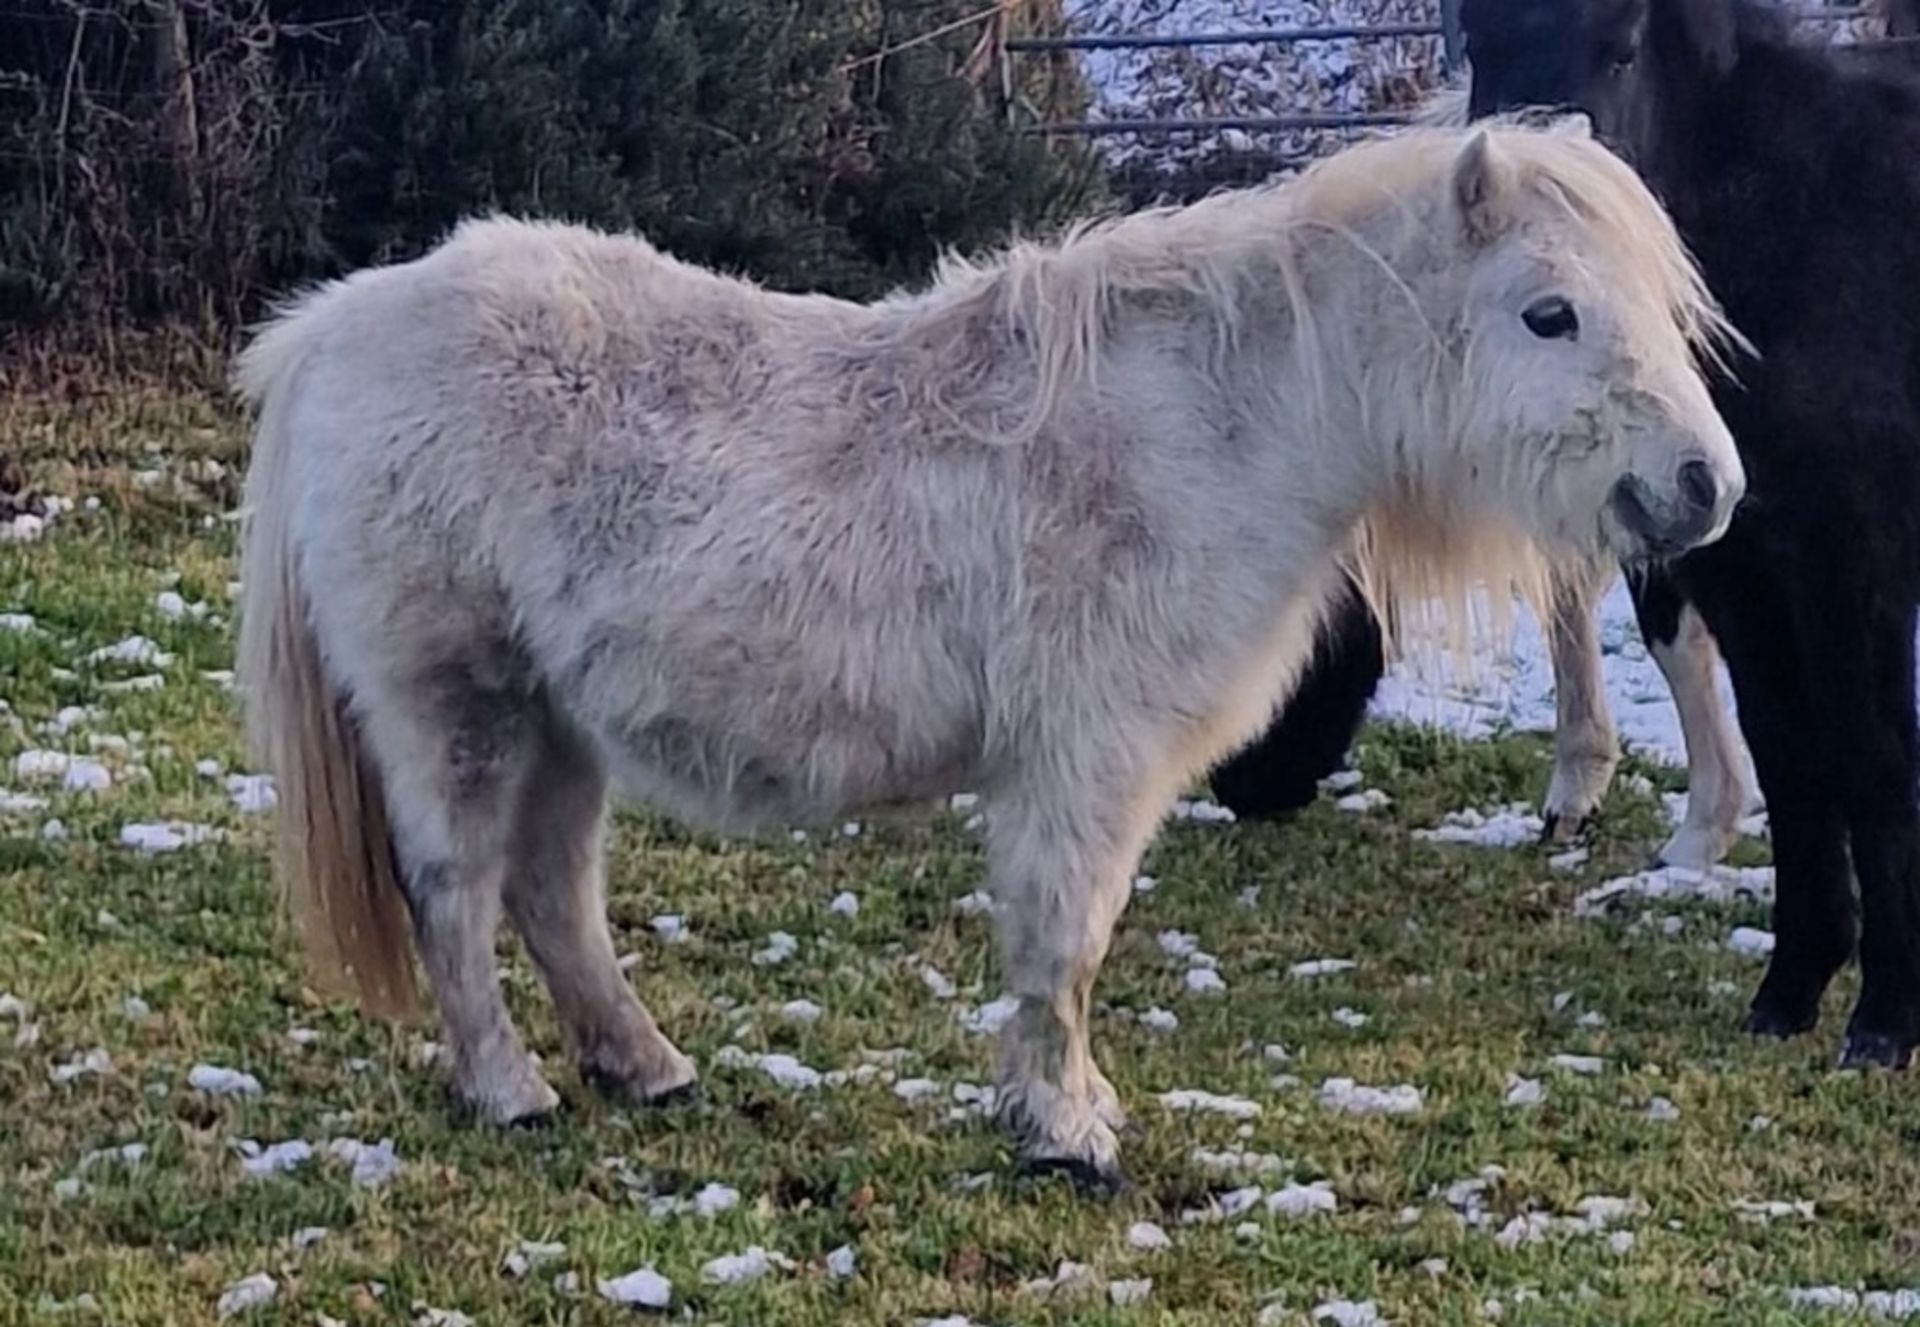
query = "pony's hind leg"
{"x": 556, "y": 898}
{"x": 1280, "y": 772}
{"x": 453, "y": 749}
{"x": 1585, "y": 747}
{"x": 1882, "y": 759}
{"x": 1062, "y": 875}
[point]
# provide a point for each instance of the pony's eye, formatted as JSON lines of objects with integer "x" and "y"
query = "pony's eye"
{"x": 1552, "y": 319}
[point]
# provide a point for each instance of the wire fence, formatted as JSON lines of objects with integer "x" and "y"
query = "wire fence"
{"x": 1167, "y": 151}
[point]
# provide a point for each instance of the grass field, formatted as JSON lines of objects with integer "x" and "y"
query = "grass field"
{"x": 1610, "y": 1197}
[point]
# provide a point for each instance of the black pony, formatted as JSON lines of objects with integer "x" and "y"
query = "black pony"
{"x": 1794, "y": 175}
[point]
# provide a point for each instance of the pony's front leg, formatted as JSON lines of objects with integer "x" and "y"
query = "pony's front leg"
{"x": 1721, "y": 786}
{"x": 1061, "y": 869}
{"x": 1585, "y": 747}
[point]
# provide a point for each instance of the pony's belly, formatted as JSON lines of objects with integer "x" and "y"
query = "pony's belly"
{"x": 726, "y": 780}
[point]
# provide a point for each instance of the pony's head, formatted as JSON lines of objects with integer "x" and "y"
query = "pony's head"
{"x": 1624, "y": 63}
{"x": 1578, "y": 328}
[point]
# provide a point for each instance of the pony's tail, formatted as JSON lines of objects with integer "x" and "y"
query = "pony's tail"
{"x": 334, "y": 851}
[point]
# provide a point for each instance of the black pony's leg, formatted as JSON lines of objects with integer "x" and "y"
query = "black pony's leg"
{"x": 1880, "y": 748}
{"x": 1657, "y": 602}
{"x": 1281, "y": 771}
{"x": 1779, "y": 693}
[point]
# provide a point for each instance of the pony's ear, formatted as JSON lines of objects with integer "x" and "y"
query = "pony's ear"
{"x": 1712, "y": 33}
{"x": 1483, "y": 186}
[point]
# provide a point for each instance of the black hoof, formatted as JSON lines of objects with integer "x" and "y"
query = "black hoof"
{"x": 1090, "y": 1180}
{"x": 1552, "y": 835}
{"x": 675, "y": 1098}
{"x": 621, "y": 1090}
{"x": 1766, "y": 1020}
{"x": 538, "y": 1122}
{"x": 1865, "y": 1049}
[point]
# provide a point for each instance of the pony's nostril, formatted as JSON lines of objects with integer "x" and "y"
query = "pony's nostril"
{"x": 1698, "y": 488}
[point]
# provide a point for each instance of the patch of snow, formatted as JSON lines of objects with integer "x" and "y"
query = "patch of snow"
{"x": 1722, "y": 884}
{"x": 1126, "y": 1294}
{"x": 1205, "y": 981}
{"x": 842, "y": 1263}
{"x": 170, "y": 836}
{"x": 845, "y": 904}
{"x": 975, "y": 904}
{"x": 1662, "y": 1110}
{"x": 911, "y": 1090}
{"x": 1302, "y": 1200}
{"x": 1349, "y": 1097}
{"x": 1178, "y": 944}
{"x": 1504, "y": 827}
{"x": 1160, "y": 1020}
{"x": 734, "y": 1269}
{"x": 374, "y": 1164}
{"x": 1237, "y": 1161}
{"x": 1210, "y": 1103}
{"x": 782, "y": 1069}
{"x": 249, "y": 1292}
{"x": 989, "y": 1018}
{"x": 1223, "y": 1206}
{"x": 1203, "y": 813}
{"x": 1570, "y": 860}
{"x": 1347, "y": 1313}
{"x": 1764, "y": 1213}
{"x": 937, "y": 982}
{"x": 1524, "y": 1092}
{"x": 274, "y": 1159}
{"x": 1363, "y": 802}
{"x": 137, "y": 650}
{"x": 92, "y": 1064}
{"x": 1320, "y": 967}
{"x": 252, "y": 794}
{"x": 781, "y": 946}
{"x": 1750, "y": 942}
{"x": 216, "y": 1081}
{"x": 643, "y": 1288}
{"x": 1146, "y": 1237}
{"x": 1350, "y": 1018}
{"x": 801, "y": 1011}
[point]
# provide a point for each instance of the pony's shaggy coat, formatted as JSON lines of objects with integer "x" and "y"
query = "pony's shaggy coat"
{"x": 547, "y": 509}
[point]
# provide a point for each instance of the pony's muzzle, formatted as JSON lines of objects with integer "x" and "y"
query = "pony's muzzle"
{"x": 1694, "y": 512}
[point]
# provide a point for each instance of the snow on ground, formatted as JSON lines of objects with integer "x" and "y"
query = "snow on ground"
{"x": 1511, "y": 686}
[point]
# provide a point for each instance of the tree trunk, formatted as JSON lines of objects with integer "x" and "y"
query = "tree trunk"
{"x": 180, "y": 113}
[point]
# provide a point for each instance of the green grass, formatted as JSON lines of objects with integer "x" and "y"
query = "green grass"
{"x": 1464, "y": 953}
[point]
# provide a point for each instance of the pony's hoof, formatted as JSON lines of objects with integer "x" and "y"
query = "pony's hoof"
{"x": 1866, "y": 1049}
{"x": 1560, "y": 831}
{"x": 1768, "y": 1020}
{"x": 1088, "y": 1179}
{"x": 637, "y": 1092}
{"x": 531, "y": 1108}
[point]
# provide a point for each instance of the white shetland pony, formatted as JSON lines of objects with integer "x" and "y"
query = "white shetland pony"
{"x": 547, "y": 509}
{"x": 1722, "y": 787}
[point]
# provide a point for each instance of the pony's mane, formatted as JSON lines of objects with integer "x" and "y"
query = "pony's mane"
{"x": 1057, "y": 296}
